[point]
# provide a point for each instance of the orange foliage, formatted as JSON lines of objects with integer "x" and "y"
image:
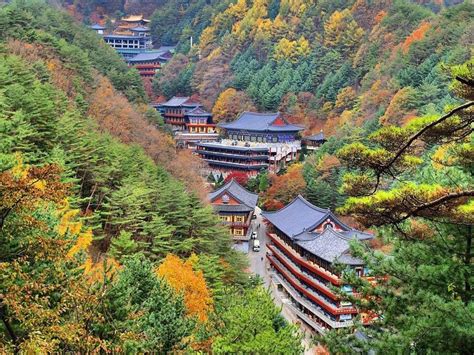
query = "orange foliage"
{"x": 230, "y": 104}
{"x": 417, "y": 35}
{"x": 286, "y": 187}
{"x": 182, "y": 278}
{"x": 400, "y": 107}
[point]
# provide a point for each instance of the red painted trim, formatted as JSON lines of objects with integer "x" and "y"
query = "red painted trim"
{"x": 299, "y": 260}
{"x": 332, "y": 310}
{"x": 303, "y": 277}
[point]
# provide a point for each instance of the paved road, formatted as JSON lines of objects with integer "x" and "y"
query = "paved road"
{"x": 259, "y": 265}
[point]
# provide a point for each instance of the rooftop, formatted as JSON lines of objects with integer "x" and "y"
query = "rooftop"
{"x": 163, "y": 55}
{"x": 140, "y": 29}
{"x": 237, "y": 191}
{"x": 135, "y": 18}
{"x": 266, "y": 122}
{"x": 298, "y": 220}
{"x": 315, "y": 137}
{"x": 96, "y": 26}
{"x": 198, "y": 111}
{"x": 296, "y": 217}
{"x": 177, "y": 101}
{"x": 330, "y": 246}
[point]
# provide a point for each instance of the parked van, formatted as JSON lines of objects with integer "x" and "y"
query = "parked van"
{"x": 256, "y": 245}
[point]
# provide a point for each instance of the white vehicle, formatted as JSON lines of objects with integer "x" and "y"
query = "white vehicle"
{"x": 253, "y": 235}
{"x": 256, "y": 245}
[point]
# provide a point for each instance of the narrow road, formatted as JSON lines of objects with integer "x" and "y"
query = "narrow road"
{"x": 259, "y": 266}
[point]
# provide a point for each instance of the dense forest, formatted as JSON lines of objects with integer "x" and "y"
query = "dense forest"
{"x": 103, "y": 246}
{"x": 107, "y": 244}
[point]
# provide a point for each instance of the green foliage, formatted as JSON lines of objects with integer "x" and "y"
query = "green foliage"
{"x": 252, "y": 323}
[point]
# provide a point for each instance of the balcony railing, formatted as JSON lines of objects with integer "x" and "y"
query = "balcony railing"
{"x": 302, "y": 261}
{"x": 309, "y": 292}
{"x": 309, "y": 306}
{"x": 301, "y": 274}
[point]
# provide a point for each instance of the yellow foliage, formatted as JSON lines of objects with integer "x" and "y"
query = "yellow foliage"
{"x": 19, "y": 171}
{"x": 83, "y": 241}
{"x": 182, "y": 278}
{"x": 96, "y": 272}
{"x": 291, "y": 50}
{"x": 65, "y": 221}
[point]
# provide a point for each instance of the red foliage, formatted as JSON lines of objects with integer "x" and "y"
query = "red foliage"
{"x": 272, "y": 205}
{"x": 241, "y": 177}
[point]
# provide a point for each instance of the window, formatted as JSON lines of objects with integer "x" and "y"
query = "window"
{"x": 239, "y": 218}
{"x": 274, "y": 139}
{"x": 252, "y": 138}
{"x": 259, "y": 139}
{"x": 238, "y": 231}
{"x": 246, "y": 138}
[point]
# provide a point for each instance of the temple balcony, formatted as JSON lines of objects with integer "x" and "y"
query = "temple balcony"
{"x": 308, "y": 305}
{"x": 230, "y": 155}
{"x": 236, "y": 165}
{"x": 174, "y": 114}
{"x": 300, "y": 274}
{"x": 308, "y": 292}
{"x": 302, "y": 261}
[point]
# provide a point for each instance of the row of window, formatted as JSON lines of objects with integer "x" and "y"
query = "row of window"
{"x": 261, "y": 139}
{"x": 239, "y": 219}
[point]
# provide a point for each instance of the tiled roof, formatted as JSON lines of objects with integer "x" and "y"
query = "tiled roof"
{"x": 254, "y": 121}
{"x": 176, "y": 101}
{"x": 151, "y": 55}
{"x": 330, "y": 246}
{"x": 315, "y": 137}
{"x": 232, "y": 208}
{"x": 296, "y": 217}
{"x": 96, "y": 26}
{"x": 233, "y": 147}
{"x": 237, "y": 191}
{"x": 134, "y": 18}
{"x": 198, "y": 111}
{"x": 140, "y": 29}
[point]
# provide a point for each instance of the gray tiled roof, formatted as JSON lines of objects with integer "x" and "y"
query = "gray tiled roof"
{"x": 232, "y": 208}
{"x": 96, "y": 26}
{"x": 254, "y": 121}
{"x": 234, "y": 147}
{"x": 151, "y": 55}
{"x": 296, "y": 217}
{"x": 237, "y": 191}
{"x": 198, "y": 111}
{"x": 176, "y": 101}
{"x": 315, "y": 137}
{"x": 140, "y": 29}
{"x": 330, "y": 246}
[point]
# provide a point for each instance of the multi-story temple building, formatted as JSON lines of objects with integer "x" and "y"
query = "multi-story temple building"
{"x": 191, "y": 123}
{"x": 254, "y": 141}
{"x": 235, "y": 206}
{"x": 306, "y": 244}
{"x": 150, "y": 62}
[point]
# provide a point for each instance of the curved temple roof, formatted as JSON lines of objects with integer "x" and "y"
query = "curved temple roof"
{"x": 233, "y": 188}
{"x": 298, "y": 220}
{"x": 267, "y": 122}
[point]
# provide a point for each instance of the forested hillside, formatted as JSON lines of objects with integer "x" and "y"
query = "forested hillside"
{"x": 104, "y": 248}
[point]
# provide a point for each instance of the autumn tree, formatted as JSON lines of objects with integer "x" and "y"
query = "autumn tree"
{"x": 342, "y": 32}
{"x": 414, "y": 184}
{"x": 286, "y": 187}
{"x": 230, "y": 104}
{"x": 241, "y": 177}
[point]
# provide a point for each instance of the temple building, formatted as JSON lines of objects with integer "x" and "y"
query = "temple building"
{"x": 313, "y": 142}
{"x": 306, "y": 244}
{"x": 150, "y": 62}
{"x": 127, "y": 24}
{"x": 254, "y": 141}
{"x": 191, "y": 123}
{"x": 235, "y": 206}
